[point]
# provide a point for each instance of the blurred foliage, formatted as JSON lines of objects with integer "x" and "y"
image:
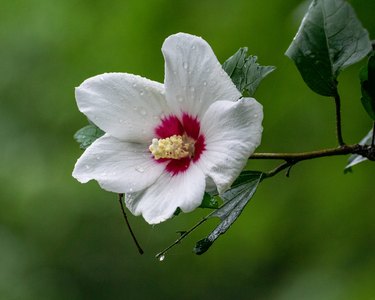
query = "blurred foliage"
{"x": 310, "y": 236}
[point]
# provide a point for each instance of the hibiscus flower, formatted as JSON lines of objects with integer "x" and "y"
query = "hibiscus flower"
{"x": 166, "y": 144}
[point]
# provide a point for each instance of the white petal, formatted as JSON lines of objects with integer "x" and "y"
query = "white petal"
{"x": 126, "y": 106}
{"x": 232, "y": 130}
{"x": 118, "y": 166}
{"x": 194, "y": 78}
{"x": 158, "y": 202}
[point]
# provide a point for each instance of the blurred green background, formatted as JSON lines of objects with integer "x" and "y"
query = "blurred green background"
{"x": 311, "y": 236}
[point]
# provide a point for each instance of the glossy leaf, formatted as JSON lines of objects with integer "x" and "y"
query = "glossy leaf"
{"x": 355, "y": 159}
{"x": 235, "y": 201}
{"x": 245, "y": 72}
{"x": 329, "y": 39}
{"x": 367, "y": 77}
{"x": 87, "y": 135}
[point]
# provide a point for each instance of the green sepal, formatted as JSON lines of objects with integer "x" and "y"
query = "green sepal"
{"x": 87, "y": 135}
{"x": 330, "y": 38}
{"x": 177, "y": 212}
{"x": 245, "y": 72}
{"x": 209, "y": 201}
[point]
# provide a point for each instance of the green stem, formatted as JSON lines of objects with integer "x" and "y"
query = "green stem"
{"x": 184, "y": 235}
{"x": 373, "y": 136}
{"x": 338, "y": 120}
{"x": 120, "y": 198}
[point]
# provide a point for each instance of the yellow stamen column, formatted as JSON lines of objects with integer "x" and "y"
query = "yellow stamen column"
{"x": 174, "y": 147}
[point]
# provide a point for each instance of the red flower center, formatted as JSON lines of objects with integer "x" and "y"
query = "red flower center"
{"x": 190, "y": 127}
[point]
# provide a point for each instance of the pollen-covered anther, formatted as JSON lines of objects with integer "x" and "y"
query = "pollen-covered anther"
{"x": 173, "y": 147}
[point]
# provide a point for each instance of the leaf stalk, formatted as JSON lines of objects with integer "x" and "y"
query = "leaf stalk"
{"x": 338, "y": 120}
{"x": 120, "y": 198}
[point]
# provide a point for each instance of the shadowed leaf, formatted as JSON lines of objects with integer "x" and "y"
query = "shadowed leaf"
{"x": 329, "y": 39}
{"x": 367, "y": 78}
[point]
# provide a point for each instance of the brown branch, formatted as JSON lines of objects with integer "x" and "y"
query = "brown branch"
{"x": 290, "y": 159}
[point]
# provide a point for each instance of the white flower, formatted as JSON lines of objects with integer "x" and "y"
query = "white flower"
{"x": 166, "y": 144}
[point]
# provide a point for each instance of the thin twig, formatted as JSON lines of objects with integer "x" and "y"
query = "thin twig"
{"x": 279, "y": 168}
{"x": 184, "y": 235}
{"x": 338, "y": 120}
{"x": 120, "y": 198}
{"x": 373, "y": 136}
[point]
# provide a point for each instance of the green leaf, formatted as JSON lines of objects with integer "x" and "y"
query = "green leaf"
{"x": 87, "y": 135}
{"x": 245, "y": 72}
{"x": 367, "y": 78}
{"x": 355, "y": 159}
{"x": 235, "y": 201}
{"x": 209, "y": 202}
{"x": 329, "y": 39}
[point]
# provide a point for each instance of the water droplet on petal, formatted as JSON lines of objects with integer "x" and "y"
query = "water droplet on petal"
{"x": 193, "y": 47}
{"x": 121, "y": 121}
{"x": 143, "y": 112}
{"x": 180, "y": 99}
{"x": 192, "y": 89}
{"x": 98, "y": 157}
{"x": 135, "y": 108}
{"x": 255, "y": 116}
{"x": 141, "y": 93}
{"x": 87, "y": 167}
{"x": 134, "y": 85}
{"x": 185, "y": 65}
{"x": 140, "y": 169}
{"x": 131, "y": 190}
{"x": 161, "y": 257}
{"x": 205, "y": 83}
